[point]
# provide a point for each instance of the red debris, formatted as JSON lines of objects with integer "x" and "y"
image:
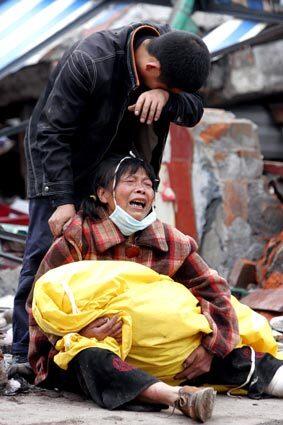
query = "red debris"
{"x": 270, "y": 266}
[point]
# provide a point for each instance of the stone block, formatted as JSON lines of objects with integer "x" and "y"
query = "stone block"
{"x": 265, "y": 210}
{"x": 235, "y": 200}
{"x": 235, "y": 212}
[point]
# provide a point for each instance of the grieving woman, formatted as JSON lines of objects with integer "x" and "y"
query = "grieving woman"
{"x": 124, "y": 333}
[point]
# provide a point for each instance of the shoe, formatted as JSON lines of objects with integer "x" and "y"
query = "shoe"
{"x": 20, "y": 367}
{"x": 196, "y": 403}
{"x": 19, "y": 358}
{"x": 275, "y": 387}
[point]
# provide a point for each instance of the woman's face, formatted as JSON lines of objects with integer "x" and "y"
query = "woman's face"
{"x": 133, "y": 193}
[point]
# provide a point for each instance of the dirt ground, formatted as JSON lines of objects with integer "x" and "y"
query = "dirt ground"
{"x": 51, "y": 408}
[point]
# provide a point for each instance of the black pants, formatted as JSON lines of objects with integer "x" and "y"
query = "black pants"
{"x": 111, "y": 383}
{"x": 235, "y": 368}
{"x": 103, "y": 377}
{"x": 38, "y": 241}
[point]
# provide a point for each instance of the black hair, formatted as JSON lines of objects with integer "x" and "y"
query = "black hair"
{"x": 104, "y": 177}
{"x": 184, "y": 59}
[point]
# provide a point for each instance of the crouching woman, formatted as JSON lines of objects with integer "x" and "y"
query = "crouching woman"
{"x": 118, "y": 223}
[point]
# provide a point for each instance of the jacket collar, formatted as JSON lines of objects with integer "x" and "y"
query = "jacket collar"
{"x": 135, "y": 82}
{"x": 106, "y": 235}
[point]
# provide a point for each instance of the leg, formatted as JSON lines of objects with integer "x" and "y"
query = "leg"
{"x": 235, "y": 369}
{"x": 38, "y": 241}
{"x": 112, "y": 383}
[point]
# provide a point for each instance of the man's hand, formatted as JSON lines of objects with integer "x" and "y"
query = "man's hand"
{"x": 196, "y": 364}
{"x": 61, "y": 218}
{"x": 149, "y": 105}
{"x": 103, "y": 327}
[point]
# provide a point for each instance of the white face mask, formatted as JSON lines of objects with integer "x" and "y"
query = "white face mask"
{"x": 128, "y": 224}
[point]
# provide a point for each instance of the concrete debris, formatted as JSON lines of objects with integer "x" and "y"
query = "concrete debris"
{"x": 3, "y": 372}
{"x": 265, "y": 300}
{"x": 235, "y": 213}
{"x": 243, "y": 273}
{"x": 249, "y": 73}
{"x": 277, "y": 323}
{"x": 9, "y": 279}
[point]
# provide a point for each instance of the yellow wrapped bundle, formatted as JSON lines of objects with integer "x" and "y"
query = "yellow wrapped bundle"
{"x": 162, "y": 322}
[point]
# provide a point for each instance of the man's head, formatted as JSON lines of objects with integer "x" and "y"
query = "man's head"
{"x": 175, "y": 61}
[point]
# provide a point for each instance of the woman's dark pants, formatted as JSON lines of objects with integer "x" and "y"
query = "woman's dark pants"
{"x": 103, "y": 377}
{"x": 112, "y": 383}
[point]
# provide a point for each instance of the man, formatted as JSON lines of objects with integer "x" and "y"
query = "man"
{"x": 111, "y": 92}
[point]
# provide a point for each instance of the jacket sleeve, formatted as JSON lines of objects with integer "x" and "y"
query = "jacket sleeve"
{"x": 213, "y": 294}
{"x": 185, "y": 109}
{"x": 59, "y": 120}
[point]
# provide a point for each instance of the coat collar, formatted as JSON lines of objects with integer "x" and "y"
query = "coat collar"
{"x": 135, "y": 82}
{"x": 106, "y": 235}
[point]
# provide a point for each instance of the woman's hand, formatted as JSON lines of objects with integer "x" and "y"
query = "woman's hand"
{"x": 103, "y": 327}
{"x": 198, "y": 362}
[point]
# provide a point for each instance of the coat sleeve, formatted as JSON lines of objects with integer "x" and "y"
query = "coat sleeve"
{"x": 59, "y": 120}
{"x": 185, "y": 109}
{"x": 61, "y": 252}
{"x": 213, "y": 294}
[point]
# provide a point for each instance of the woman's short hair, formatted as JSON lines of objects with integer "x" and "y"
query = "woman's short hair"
{"x": 104, "y": 176}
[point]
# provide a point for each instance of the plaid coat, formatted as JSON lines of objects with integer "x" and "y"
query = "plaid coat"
{"x": 161, "y": 247}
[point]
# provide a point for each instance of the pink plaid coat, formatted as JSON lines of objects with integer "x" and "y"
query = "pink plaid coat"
{"x": 161, "y": 247}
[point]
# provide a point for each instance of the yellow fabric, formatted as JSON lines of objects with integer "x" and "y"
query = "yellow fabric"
{"x": 255, "y": 330}
{"x": 162, "y": 322}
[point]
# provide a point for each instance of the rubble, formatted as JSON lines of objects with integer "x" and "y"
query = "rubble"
{"x": 268, "y": 302}
{"x": 9, "y": 281}
{"x": 251, "y": 72}
{"x": 3, "y": 372}
{"x": 270, "y": 266}
{"x": 235, "y": 213}
{"x": 243, "y": 274}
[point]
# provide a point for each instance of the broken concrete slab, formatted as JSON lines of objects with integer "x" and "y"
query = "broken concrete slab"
{"x": 246, "y": 74}
{"x": 235, "y": 212}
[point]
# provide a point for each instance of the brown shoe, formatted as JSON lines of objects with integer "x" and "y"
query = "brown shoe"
{"x": 197, "y": 403}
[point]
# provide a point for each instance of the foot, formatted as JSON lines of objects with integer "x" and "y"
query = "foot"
{"x": 20, "y": 367}
{"x": 196, "y": 403}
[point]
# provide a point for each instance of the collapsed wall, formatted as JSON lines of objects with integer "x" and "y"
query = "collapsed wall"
{"x": 235, "y": 213}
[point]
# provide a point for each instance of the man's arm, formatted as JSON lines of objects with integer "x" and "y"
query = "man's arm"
{"x": 185, "y": 109}
{"x": 59, "y": 120}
